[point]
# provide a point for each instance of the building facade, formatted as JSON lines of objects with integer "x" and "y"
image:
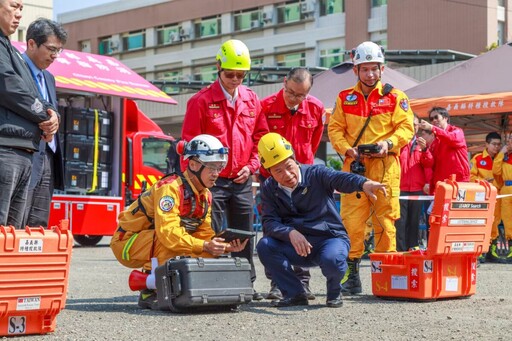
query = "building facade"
{"x": 178, "y": 39}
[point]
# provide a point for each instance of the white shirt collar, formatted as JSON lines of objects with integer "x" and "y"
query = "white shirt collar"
{"x": 289, "y": 190}
{"x": 231, "y": 99}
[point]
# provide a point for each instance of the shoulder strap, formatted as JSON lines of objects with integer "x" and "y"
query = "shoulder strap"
{"x": 187, "y": 186}
{"x": 141, "y": 207}
{"x": 188, "y": 221}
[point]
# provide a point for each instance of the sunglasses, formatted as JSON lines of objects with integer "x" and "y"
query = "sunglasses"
{"x": 233, "y": 74}
{"x": 435, "y": 117}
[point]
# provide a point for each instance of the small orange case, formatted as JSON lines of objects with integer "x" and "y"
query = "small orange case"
{"x": 460, "y": 230}
{"x": 34, "y": 272}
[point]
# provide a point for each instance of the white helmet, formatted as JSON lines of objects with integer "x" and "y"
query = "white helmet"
{"x": 206, "y": 148}
{"x": 368, "y": 52}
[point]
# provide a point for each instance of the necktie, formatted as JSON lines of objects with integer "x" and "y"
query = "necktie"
{"x": 42, "y": 86}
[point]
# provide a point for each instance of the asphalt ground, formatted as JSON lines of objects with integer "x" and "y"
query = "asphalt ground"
{"x": 100, "y": 306}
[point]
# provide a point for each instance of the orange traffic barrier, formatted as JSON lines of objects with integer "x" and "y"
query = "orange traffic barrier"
{"x": 34, "y": 271}
{"x": 460, "y": 230}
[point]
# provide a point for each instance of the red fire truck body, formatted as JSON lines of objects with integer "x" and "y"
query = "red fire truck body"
{"x": 110, "y": 147}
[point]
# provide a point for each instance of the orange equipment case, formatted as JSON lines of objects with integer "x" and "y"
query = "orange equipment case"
{"x": 460, "y": 230}
{"x": 34, "y": 271}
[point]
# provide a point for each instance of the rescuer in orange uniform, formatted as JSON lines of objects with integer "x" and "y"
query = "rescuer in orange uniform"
{"x": 481, "y": 168}
{"x": 370, "y": 113}
{"x": 502, "y": 167}
{"x": 173, "y": 217}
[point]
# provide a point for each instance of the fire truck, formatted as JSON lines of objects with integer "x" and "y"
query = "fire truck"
{"x": 110, "y": 147}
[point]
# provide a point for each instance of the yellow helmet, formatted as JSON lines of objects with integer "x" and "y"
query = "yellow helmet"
{"x": 272, "y": 149}
{"x": 234, "y": 55}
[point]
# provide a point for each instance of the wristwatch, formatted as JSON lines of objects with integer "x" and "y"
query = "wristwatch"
{"x": 390, "y": 143}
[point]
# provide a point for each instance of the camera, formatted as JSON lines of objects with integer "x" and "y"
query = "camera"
{"x": 368, "y": 149}
{"x": 357, "y": 166}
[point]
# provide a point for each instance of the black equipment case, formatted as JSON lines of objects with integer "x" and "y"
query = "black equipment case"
{"x": 188, "y": 284}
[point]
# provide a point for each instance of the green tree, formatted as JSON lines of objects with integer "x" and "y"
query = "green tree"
{"x": 334, "y": 163}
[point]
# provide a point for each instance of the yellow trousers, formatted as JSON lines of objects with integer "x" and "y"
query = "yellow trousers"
{"x": 497, "y": 218}
{"x": 383, "y": 212}
{"x": 506, "y": 211}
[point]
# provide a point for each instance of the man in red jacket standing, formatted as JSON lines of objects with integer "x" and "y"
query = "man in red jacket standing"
{"x": 415, "y": 175}
{"x": 449, "y": 148}
{"x": 231, "y": 112}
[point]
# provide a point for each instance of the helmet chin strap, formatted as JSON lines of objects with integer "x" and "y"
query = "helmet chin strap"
{"x": 367, "y": 85}
{"x": 197, "y": 174}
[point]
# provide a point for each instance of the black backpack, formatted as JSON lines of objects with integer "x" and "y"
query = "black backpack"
{"x": 173, "y": 159}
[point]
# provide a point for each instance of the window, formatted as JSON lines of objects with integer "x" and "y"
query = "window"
{"x": 248, "y": 19}
{"x": 154, "y": 153}
{"x": 21, "y": 34}
{"x": 331, "y": 6}
{"x": 291, "y": 59}
{"x": 501, "y": 33}
{"x": 331, "y": 57}
{"x": 207, "y": 27}
{"x": 168, "y": 34}
{"x": 256, "y": 62}
{"x": 134, "y": 40}
{"x": 205, "y": 73}
{"x": 381, "y": 42}
{"x": 85, "y": 46}
{"x": 378, "y": 3}
{"x": 289, "y": 12}
{"x": 171, "y": 76}
{"x": 105, "y": 46}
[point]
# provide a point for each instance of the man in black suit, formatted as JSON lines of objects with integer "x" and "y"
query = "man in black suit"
{"x": 45, "y": 39}
{"x": 25, "y": 118}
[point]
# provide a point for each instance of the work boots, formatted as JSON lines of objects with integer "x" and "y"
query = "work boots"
{"x": 508, "y": 257}
{"x": 492, "y": 256}
{"x": 351, "y": 283}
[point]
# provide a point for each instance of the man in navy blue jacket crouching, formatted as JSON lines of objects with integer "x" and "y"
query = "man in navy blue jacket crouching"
{"x": 301, "y": 223}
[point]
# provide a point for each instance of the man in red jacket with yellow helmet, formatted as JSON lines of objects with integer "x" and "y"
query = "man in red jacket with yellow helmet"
{"x": 370, "y": 113}
{"x": 231, "y": 112}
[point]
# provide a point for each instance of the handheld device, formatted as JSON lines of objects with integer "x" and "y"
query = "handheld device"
{"x": 230, "y": 234}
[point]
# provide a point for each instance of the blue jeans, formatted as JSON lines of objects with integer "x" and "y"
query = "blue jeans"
{"x": 15, "y": 169}
{"x": 329, "y": 253}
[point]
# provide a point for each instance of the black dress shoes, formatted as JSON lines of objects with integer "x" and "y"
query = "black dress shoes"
{"x": 292, "y": 301}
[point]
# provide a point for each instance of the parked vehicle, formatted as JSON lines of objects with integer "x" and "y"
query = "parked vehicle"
{"x": 110, "y": 147}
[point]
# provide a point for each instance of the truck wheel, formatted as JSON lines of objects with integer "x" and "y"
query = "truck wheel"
{"x": 87, "y": 240}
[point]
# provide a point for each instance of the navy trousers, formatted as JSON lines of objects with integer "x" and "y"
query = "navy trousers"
{"x": 329, "y": 253}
